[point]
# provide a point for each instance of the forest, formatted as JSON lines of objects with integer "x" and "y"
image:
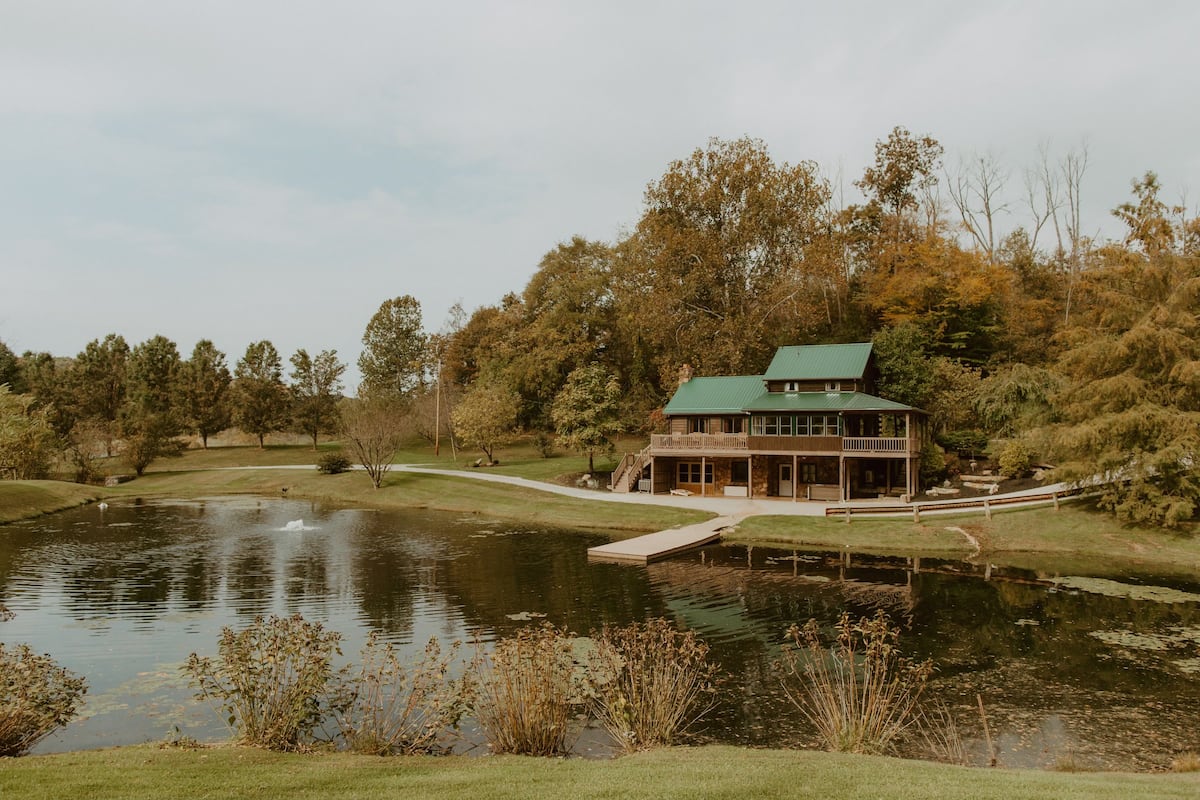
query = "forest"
{"x": 988, "y": 304}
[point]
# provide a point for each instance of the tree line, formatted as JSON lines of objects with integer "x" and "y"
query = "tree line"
{"x": 989, "y": 304}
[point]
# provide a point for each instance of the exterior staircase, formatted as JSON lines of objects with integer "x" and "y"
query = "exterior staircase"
{"x": 627, "y": 472}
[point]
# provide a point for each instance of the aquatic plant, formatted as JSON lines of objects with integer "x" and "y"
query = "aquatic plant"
{"x": 394, "y": 707}
{"x": 860, "y": 693}
{"x": 527, "y": 690}
{"x": 649, "y": 683}
{"x": 273, "y": 680}
{"x": 37, "y": 697}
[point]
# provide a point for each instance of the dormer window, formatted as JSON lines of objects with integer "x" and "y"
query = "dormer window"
{"x": 833, "y": 386}
{"x": 791, "y": 386}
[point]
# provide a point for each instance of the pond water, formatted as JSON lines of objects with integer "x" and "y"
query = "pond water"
{"x": 1095, "y": 671}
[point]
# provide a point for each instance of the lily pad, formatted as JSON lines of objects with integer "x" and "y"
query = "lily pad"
{"x": 1155, "y": 594}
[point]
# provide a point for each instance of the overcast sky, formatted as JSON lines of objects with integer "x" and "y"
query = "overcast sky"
{"x": 247, "y": 170}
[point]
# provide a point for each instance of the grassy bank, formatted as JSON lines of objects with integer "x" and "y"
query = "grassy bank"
{"x": 710, "y": 772}
{"x": 412, "y": 490}
{"x": 1075, "y": 536}
{"x": 24, "y": 499}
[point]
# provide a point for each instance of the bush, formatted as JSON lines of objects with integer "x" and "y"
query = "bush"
{"x": 544, "y": 444}
{"x": 526, "y": 691}
{"x": 968, "y": 443}
{"x": 273, "y": 680}
{"x": 333, "y": 464}
{"x": 932, "y": 468}
{"x": 649, "y": 683}
{"x": 1016, "y": 459}
{"x": 393, "y": 708}
{"x": 37, "y": 697}
{"x": 861, "y": 694}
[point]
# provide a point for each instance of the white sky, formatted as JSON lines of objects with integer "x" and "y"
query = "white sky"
{"x": 247, "y": 170}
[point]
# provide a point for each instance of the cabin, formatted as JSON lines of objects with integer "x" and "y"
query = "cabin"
{"x": 808, "y": 429}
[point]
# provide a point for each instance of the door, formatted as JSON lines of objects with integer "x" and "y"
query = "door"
{"x": 785, "y": 480}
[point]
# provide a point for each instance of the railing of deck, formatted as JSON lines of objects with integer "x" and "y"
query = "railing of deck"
{"x": 874, "y": 444}
{"x": 699, "y": 441}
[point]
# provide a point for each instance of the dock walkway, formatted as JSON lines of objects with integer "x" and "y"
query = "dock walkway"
{"x": 644, "y": 549}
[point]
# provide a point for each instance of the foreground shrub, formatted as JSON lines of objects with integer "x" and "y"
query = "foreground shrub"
{"x": 860, "y": 693}
{"x": 526, "y": 691}
{"x": 333, "y": 464}
{"x": 397, "y": 708}
{"x": 273, "y": 680}
{"x": 650, "y": 682}
{"x": 37, "y": 697}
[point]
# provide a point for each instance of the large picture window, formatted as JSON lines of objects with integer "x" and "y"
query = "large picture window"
{"x": 689, "y": 472}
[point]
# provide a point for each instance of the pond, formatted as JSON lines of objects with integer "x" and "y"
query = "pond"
{"x": 1093, "y": 671}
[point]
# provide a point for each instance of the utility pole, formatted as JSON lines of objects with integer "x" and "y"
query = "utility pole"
{"x": 437, "y": 411}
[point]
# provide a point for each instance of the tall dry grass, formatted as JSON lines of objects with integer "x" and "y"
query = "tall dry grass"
{"x": 649, "y": 683}
{"x": 860, "y": 693}
{"x": 527, "y": 690}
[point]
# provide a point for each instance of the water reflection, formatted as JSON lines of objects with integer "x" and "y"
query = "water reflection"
{"x": 124, "y": 596}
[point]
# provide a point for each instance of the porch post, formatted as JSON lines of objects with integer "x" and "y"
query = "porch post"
{"x": 651, "y": 476}
{"x": 703, "y": 462}
{"x": 843, "y": 489}
{"x": 795, "y": 476}
{"x": 749, "y": 477}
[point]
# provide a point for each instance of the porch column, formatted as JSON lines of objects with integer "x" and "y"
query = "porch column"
{"x": 651, "y": 476}
{"x": 843, "y": 489}
{"x": 795, "y": 475}
{"x": 703, "y": 461}
{"x": 749, "y": 477}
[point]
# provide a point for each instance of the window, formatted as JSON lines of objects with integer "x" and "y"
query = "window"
{"x": 689, "y": 472}
{"x": 791, "y": 386}
{"x": 808, "y": 473}
{"x": 833, "y": 386}
{"x": 697, "y": 425}
{"x": 739, "y": 472}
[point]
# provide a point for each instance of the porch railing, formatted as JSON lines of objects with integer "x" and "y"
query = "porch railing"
{"x": 699, "y": 441}
{"x": 740, "y": 441}
{"x": 874, "y": 444}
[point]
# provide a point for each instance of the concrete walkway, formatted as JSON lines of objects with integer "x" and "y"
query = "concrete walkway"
{"x": 736, "y": 507}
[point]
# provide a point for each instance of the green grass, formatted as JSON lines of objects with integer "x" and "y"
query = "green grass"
{"x": 147, "y": 773}
{"x": 413, "y": 490}
{"x": 24, "y": 499}
{"x": 1075, "y": 536}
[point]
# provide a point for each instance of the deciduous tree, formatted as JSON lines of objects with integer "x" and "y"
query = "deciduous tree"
{"x": 97, "y": 383}
{"x": 259, "y": 396}
{"x": 486, "y": 416}
{"x": 27, "y": 440}
{"x": 373, "y": 428}
{"x": 393, "y": 356}
{"x": 315, "y": 391}
{"x": 150, "y": 418}
{"x": 586, "y": 412}
{"x": 204, "y": 391}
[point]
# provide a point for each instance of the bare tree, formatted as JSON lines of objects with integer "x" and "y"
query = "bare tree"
{"x": 1072, "y": 168}
{"x": 976, "y": 191}
{"x": 1042, "y": 196}
{"x": 374, "y": 428}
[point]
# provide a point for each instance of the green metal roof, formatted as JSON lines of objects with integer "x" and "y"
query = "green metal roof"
{"x": 816, "y": 362}
{"x": 719, "y": 395}
{"x": 822, "y": 401}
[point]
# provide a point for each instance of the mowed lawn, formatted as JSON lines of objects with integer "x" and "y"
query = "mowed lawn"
{"x": 150, "y": 773}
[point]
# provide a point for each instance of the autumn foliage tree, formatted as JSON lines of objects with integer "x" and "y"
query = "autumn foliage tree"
{"x": 586, "y": 412}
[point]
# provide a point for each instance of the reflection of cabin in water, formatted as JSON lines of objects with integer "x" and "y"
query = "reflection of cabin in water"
{"x": 807, "y": 429}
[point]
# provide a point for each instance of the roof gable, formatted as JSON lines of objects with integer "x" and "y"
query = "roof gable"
{"x": 715, "y": 395}
{"x": 816, "y": 362}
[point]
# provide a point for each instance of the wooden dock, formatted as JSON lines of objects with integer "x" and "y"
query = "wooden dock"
{"x": 644, "y": 549}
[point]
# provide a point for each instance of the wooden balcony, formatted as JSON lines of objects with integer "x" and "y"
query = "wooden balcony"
{"x": 722, "y": 443}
